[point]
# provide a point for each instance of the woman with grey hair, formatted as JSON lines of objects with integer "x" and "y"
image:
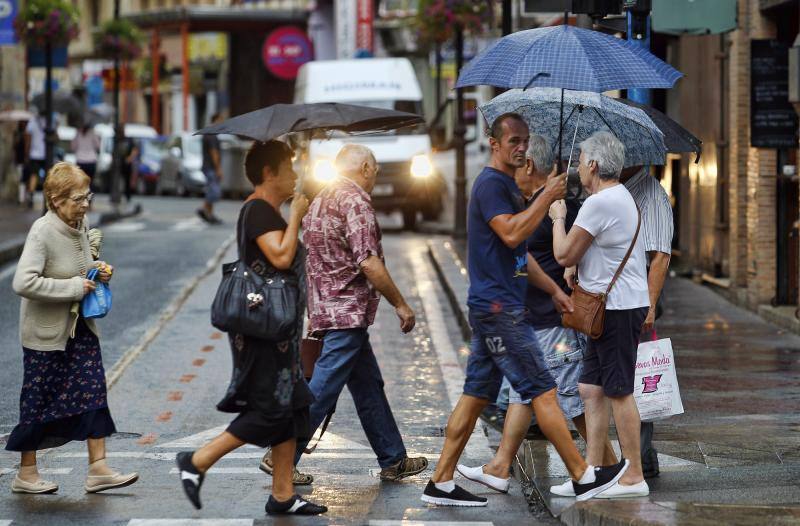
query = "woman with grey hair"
{"x": 605, "y": 230}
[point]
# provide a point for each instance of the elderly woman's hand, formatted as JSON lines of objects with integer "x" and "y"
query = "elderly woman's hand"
{"x": 105, "y": 271}
{"x": 88, "y": 286}
{"x": 558, "y": 210}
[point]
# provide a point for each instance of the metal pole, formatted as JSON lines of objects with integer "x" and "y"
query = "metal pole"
{"x": 507, "y": 22}
{"x": 116, "y": 159}
{"x": 460, "y": 229}
{"x": 49, "y": 132}
{"x": 639, "y": 34}
{"x": 155, "y": 109}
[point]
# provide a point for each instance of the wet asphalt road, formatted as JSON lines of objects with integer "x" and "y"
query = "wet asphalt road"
{"x": 164, "y": 402}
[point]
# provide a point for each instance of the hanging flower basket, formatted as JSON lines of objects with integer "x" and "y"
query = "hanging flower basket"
{"x": 41, "y": 22}
{"x": 119, "y": 38}
{"x": 437, "y": 19}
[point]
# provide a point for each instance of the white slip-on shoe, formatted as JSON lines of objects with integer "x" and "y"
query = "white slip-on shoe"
{"x": 563, "y": 490}
{"x": 490, "y": 481}
{"x": 39, "y": 487}
{"x": 97, "y": 483}
{"x": 618, "y": 491}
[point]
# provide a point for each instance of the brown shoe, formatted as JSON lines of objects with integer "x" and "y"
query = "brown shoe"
{"x": 405, "y": 468}
{"x": 298, "y": 479}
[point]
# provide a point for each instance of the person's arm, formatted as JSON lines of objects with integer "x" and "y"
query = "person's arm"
{"x": 513, "y": 229}
{"x": 659, "y": 265}
{"x": 539, "y": 279}
{"x": 215, "y": 159}
{"x": 377, "y": 274}
{"x": 568, "y": 249}
{"x": 31, "y": 284}
{"x": 27, "y": 146}
{"x": 280, "y": 246}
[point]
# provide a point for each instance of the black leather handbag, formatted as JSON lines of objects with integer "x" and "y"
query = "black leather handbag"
{"x": 258, "y": 306}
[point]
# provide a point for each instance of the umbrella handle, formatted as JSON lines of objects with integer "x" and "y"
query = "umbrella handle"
{"x": 574, "y": 136}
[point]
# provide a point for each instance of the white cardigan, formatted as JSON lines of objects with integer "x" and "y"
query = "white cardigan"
{"x": 49, "y": 277}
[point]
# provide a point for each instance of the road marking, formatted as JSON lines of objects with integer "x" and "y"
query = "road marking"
{"x": 410, "y": 522}
{"x": 198, "y": 440}
{"x": 189, "y": 224}
{"x": 190, "y": 522}
{"x": 5, "y": 523}
{"x": 446, "y": 354}
{"x": 226, "y": 471}
{"x": 170, "y": 456}
{"x": 43, "y": 471}
{"x": 133, "y": 226}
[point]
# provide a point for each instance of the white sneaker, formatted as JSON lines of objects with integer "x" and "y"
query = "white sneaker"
{"x": 618, "y": 491}
{"x": 490, "y": 481}
{"x": 40, "y": 486}
{"x": 563, "y": 490}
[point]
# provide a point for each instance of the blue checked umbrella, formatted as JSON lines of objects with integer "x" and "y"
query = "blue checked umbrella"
{"x": 584, "y": 113}
{"x": 567, "y": 57}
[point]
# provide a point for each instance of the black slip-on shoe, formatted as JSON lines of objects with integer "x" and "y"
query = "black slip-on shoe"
{"x": 604, "y": 478}
{"x": 191, "y": 478}
{"x": 458, "y": 497}
{"x": 294, "y": 506}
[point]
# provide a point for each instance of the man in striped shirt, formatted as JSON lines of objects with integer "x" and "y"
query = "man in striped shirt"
{"x": 657, "y": 230}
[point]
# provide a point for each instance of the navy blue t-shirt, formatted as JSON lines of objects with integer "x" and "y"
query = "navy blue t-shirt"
{"x": 542, "y": 312}
{"x": 497, "y": 274}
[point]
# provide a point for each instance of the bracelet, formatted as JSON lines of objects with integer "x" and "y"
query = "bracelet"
{"x": 557, "y": 218}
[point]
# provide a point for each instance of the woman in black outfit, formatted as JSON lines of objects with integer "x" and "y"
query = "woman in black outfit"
{"x": 267, "y": 389}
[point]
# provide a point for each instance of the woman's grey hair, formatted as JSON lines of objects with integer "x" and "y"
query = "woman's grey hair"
{"x": 607, "y": 151}
{"x": 540, "y": 152}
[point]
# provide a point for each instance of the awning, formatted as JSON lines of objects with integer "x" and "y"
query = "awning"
{"x": 693, "y": 17}
{"x": 208, "y": 18}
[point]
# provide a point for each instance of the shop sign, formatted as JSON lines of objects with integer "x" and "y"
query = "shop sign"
{"x": 285, "y": 50}
{"x": 208, "y": 46}
{"x": 773, "y": 121}
{"x": 8, "y": 10}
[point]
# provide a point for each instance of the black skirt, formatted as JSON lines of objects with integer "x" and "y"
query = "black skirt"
{"x": 261, "y": 430}
{"x": 63, "y": 395}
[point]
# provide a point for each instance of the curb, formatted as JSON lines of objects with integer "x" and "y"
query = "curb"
{"x": 128, "y": 357}
{"x": 452, "y": 297}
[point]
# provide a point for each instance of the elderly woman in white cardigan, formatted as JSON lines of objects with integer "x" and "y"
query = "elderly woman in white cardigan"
{"x": 64, "y": 389}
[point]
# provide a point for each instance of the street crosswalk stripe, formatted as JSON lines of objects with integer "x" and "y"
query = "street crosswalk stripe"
{"x": 170, "y": 456}
{"x": 190, "y": 522}
{"x": 410, "y": 522}
{"x": 227, "y": 471}
{"x": 198, "y": 440}
{"x": 5, "y": 523}
{"x": 43, "y": 471}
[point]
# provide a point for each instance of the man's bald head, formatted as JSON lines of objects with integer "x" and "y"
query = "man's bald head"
{"x": 351, "y": 159}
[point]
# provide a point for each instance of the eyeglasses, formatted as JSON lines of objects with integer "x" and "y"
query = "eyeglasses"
{"x": 78, "y": 199}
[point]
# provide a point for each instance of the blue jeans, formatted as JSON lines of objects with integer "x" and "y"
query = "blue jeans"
{"x": 504, "y": 344}
{"x": 213, "y": 190}
{"x": 347, "y": 359}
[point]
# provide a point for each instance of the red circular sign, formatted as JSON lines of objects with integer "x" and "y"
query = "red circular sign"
{"x": 285, "y": 50}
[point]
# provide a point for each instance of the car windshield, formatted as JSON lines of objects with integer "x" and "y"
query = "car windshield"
{"x": 153, "y": 149}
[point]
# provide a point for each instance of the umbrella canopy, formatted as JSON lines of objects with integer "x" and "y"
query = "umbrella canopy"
{"x": 588, "y": 112}
{"x": 567, "y": 57}
{"x": 677, "y": 139}
{"x": 15, "y": 115}
{"x": 63, "y": 102}
{"x": 279, "y": 119}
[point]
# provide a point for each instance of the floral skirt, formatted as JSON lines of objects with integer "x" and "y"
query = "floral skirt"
{"x": 63, "y": 395}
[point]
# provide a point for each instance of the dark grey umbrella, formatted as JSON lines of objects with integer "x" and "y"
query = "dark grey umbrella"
{"x": 677, "y": 139}
{"x": 63, "y": 102}
{"x": 279, "y": 119}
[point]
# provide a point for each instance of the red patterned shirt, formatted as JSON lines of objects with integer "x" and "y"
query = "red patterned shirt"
{"x": 339, "y": 232}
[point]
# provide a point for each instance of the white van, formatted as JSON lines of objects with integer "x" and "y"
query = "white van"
{"x": 407, "y": 180}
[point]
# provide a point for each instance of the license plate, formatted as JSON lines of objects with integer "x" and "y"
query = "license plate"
{"x": 383, "y": 189}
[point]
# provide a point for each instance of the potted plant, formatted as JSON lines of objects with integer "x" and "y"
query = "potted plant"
{"x": 47, "y": 22}
{"x": 437, "y": 19}
{"x": 119, "y": 38}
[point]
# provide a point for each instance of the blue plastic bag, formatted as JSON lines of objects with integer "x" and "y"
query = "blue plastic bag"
{"x": 97, "y": 303}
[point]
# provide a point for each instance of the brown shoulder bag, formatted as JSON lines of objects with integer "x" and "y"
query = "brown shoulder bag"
{"x": 589, "y": 312}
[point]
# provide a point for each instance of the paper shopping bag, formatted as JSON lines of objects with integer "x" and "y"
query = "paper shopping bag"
{"x": 656, "y": 385}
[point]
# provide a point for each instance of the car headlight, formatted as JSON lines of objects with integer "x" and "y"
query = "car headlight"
{"x": 324, "y": 170}
{"x": 421, "y": 166}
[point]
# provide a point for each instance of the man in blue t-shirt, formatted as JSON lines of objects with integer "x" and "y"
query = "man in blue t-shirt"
{"x": 503, "y": 342}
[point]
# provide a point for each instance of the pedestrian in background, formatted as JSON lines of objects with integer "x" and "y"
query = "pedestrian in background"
{"x": 563, "y": 348}
{"x": 657, "y": 231}
{"x": 19, "y": 160}
{"x": 212, "y": 169}
{"x": 268, "y": 389}
{"x": 63, "y": 394}
{"x": 85, "y": 146}
{"x": 604, "y": 233}
{"x": 34, "y": 156}
{"x": 346, "y": 276}
{"x": 130, "y": 158}
{"x": 503, "y": 341}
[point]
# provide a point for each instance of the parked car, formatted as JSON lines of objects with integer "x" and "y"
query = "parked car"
{"x": 63, "y": 150}
{"x": 181, "y": 167}
{"x": 408, "y": 179}
{"x": 148, "y": 164}
{"x": 106, "y": 134}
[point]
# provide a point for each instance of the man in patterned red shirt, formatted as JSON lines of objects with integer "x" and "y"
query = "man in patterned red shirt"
{"x": 346, "y": 276}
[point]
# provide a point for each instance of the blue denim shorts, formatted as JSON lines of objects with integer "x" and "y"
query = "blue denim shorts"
{"x": 504, "y": 344}
{"x": 564, "y": 350}
{"x": 213, "y": 190}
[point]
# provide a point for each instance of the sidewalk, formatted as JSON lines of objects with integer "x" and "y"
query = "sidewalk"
{"x": 16, "y": 220}
{"x": 733, "y": 457}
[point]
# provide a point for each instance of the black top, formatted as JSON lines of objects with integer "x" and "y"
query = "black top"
{"x": 260, "y": 219}
{"x": 543, "y": 313}
{"x": 210, "y": 142}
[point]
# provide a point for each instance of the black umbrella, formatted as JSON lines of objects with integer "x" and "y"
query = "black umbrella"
{"x": 63, "y": 102}
{"x": 276, "y": 120}
{"x": 677, "y": 139}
